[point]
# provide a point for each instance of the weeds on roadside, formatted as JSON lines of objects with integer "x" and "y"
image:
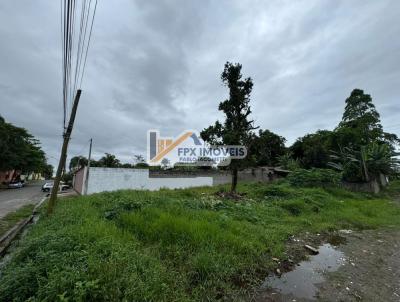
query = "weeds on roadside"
{"x": 181, "y": 245}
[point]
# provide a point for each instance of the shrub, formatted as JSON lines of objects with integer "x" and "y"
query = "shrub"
{"x": 294, "y": 207}
{"x": 314, "y": 177}
{"x": 287, "y": 161}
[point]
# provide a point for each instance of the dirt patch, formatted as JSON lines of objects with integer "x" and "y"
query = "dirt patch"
{"x": 230, "y": 195}
{"x": 372, "y": 272}
{"x": 369, "y": 269}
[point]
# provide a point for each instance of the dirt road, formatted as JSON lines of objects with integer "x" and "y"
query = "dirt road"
{"x": 365, "y": 266}
{"x": 372, "y": 270}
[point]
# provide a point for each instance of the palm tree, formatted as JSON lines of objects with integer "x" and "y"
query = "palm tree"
{"x": 371, "y": 161}
{"x": 109, "y": 161}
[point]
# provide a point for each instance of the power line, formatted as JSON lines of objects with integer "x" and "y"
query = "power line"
{"x": 77, "y": 62}
{"x": 62, "y": 47}
{"x": 68, "y": 14}
{"x": 83, "y": 148}
{"x": 87, "y": 48}
{"x": 76, "y": 39}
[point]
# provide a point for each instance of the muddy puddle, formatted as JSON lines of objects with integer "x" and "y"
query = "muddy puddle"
{"x": 302, "y": 281}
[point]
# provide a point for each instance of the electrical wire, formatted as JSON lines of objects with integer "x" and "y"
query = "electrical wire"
{"x": 87, "y": 48}
{"x": 83, "y": 148}
{"x": 75, "y": 47}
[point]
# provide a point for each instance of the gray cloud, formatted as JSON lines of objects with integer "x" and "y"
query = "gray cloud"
{"x": 156, "y": 64}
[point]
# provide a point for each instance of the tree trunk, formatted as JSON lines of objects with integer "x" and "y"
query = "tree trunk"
{"x": 365, "y": 170}
{"x": 12, "y": 175}
{"x": 363, "y": 162}
{"x": 234, "y": 179}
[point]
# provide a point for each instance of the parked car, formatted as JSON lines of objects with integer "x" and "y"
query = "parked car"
{"x": 49, "y": 185}
{"x": 16, "y": 184}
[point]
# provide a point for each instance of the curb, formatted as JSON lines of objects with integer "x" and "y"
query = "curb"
{"x": 11, "y": 234}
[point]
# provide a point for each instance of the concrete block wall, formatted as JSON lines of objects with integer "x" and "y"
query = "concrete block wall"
{"x": 111, "y": 179}
{"x": 371, "y": 187}
{"x": 220, "y": 177}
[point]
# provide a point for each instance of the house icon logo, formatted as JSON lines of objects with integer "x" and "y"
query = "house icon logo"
{"x": 188, "y": 148}
{"x": 159, "y": 147}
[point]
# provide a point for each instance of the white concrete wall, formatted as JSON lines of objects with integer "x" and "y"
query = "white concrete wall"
{"x": 111, "y": 179}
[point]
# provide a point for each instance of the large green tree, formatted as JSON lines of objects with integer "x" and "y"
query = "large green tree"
{"x": 77, "y": 162}
{"x": 109, "y": 161}
{"x": 360, "y": 124}
{"x": 313, "y": 150}
{"x": 367, "y": 148}
{"x": 356, "y": 137}
{"x": 20, "y": 150}
{"x": 48, "y": 171}
{"x": 265, "y": 148}
{"x": 237, "y": 127}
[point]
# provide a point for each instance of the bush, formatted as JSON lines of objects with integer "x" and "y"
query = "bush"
{"x": 314, "y": 177}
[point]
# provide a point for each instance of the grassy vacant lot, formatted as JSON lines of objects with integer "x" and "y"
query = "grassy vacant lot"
{"x": 176, "y": 245}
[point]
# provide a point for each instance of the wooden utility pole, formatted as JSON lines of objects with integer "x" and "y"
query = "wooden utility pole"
{"x": 88, "y": 167}
{"x": 63, "y": 156}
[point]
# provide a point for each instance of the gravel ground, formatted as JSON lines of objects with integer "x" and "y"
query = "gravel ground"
{"x": 372, "y": 271}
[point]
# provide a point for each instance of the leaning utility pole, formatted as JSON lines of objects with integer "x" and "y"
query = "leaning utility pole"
{"x": 63, "y": 156}
{"x": 88, "y": 167}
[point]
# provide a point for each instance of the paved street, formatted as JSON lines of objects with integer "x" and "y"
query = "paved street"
{"x": 12, "y": 199}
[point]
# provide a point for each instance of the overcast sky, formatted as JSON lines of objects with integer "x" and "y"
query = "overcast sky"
{"x": 157, "y": 65}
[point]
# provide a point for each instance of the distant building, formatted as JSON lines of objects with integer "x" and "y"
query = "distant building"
{"x": 6, "y": 176}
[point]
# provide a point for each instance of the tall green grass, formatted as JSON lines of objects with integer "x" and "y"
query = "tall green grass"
{"x": 176, "y": 245}
{"x": 12, "y": 218}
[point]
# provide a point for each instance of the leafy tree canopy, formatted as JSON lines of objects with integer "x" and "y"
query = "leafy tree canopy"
{"x": 77, "y": 162}
{"x": 20, "y": 150}
{"x": 265, "y": 147}
{"x": 358, "y": 145}
{"x": 361, "y": 123}
{"x": 313, "y": 150}
{"x": 109, "y": 161}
